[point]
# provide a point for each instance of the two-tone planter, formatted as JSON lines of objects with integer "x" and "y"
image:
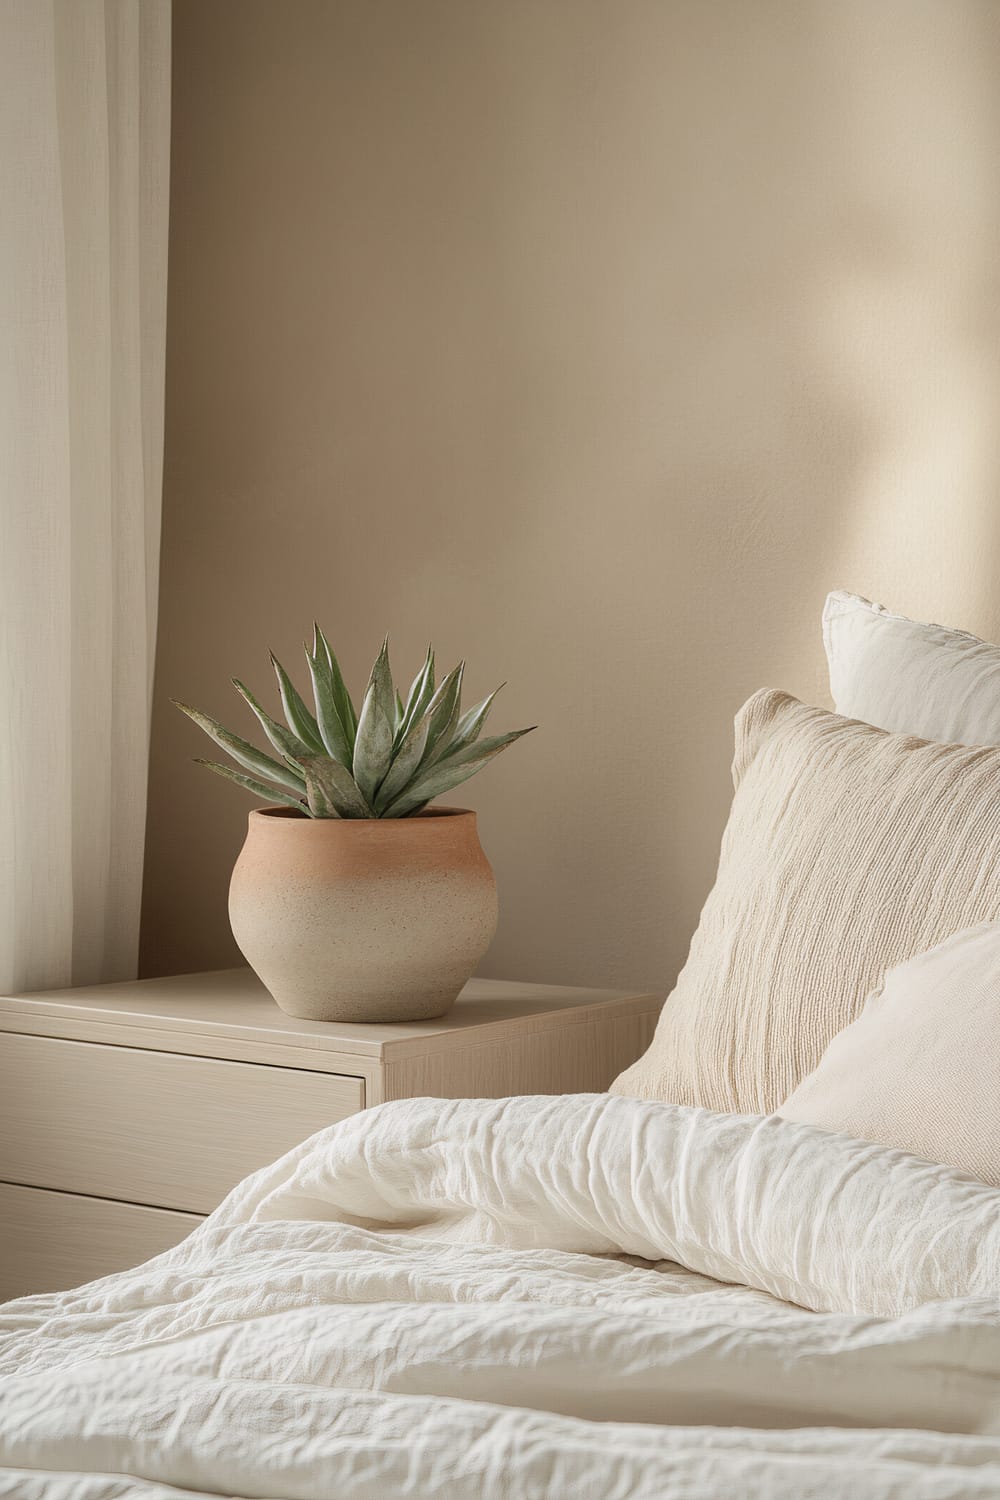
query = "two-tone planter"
{"x": 363, "y": 919}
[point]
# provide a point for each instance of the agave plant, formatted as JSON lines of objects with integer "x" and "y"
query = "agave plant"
{"x": 388, "y": 761}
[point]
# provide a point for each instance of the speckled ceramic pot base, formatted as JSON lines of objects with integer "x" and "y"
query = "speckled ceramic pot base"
{"x": 363, "y": 920}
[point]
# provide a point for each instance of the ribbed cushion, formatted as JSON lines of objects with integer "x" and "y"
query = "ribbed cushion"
{"x": 848, "y": 850}
{"x": 912, "y": 678}
{"x": 920, "y": 1067}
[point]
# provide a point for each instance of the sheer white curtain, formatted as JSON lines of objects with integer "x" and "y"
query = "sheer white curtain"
{"x": 84, "y": 164}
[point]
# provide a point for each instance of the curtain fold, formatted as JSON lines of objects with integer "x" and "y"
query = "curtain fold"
{"x": 84, "y": 166}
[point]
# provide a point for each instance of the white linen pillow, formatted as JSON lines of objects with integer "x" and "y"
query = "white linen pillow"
{"x": 847, "y": 851}
{"x": 911, "y": 678}
{"x": 920, "y": 1068}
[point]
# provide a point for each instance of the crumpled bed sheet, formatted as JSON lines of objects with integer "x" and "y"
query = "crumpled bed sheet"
{"x": 553, "y": 1298}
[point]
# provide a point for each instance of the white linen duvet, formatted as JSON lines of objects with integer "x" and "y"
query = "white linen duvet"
{"x": 574, "y": 1298}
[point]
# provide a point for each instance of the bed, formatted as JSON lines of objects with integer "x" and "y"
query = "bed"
{"x": 584, "y": 1296}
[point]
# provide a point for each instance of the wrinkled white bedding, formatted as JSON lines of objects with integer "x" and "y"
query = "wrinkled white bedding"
{"x": 578, "y": 1298}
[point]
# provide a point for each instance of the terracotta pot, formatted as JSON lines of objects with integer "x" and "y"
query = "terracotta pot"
{"x": 363, "y": 920}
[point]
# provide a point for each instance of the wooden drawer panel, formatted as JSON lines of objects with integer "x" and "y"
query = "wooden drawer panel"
{"x": 51, "y": 1241}
{"x": 152, "y": 1127}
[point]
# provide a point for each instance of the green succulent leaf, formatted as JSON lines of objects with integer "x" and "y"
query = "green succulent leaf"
{"x": 381, "y": 677}
{"x": 470, "y": 725}
{"x": 242, "y": 751}
{"x": 443, "y": 713}
{"x": 420, "y": 694}
{"x": 335, "y": 738}
{"x": 446, "y": 774}
{"x": 332, "y": 790}
{"x": 284, "y": 741}
{"x": 251, "y": 784}
{"x": 404, "y": 764}
{"x": 300, "y": 720}
{"x": 373, "y": 745}
{"x": 320, "y": 806}
{"x": 341, "y": 697}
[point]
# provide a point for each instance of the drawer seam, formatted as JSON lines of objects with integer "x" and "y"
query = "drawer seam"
{"x": 38, "y": 1187}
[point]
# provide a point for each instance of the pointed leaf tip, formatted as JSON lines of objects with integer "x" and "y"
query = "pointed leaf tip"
{"x": 244, "y": 753}
{"x": 300, "y": 721}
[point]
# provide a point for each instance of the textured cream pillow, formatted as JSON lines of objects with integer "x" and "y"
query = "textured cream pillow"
{"x": 911, "y": 678}
{"x": 847, "y": 851}
{"x": 920, "y": 1067}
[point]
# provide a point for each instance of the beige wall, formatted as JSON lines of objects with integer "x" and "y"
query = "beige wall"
{"x": 595, "y": 341}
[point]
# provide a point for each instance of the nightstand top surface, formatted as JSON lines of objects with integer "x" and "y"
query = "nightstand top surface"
{"x": 232, "y": 1003}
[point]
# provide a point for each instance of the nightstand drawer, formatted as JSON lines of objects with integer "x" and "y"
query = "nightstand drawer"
{"x": 157, "y": 1128}
{"x": 51, "y": 1241}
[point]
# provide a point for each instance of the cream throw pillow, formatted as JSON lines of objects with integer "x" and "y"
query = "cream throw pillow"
{"x": 920, "y": 1067}
{"x": 847, "y": 851}
{"x": 911, "y": 678}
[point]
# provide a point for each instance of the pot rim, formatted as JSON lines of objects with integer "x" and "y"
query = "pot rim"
{"x": 425, "y": 816}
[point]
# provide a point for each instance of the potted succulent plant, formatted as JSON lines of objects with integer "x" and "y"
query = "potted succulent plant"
{"x": 352, "y": 898}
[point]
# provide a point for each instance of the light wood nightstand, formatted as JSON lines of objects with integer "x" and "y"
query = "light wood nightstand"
{"x": 128, "y": 1111}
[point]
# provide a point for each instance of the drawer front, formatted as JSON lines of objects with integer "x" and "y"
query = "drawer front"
{"x": 51, "y": 1241}
{"x": 156, "y": 1128}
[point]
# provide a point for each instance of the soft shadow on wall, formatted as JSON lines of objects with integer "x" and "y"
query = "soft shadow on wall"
{"x": 595, "y": 341}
